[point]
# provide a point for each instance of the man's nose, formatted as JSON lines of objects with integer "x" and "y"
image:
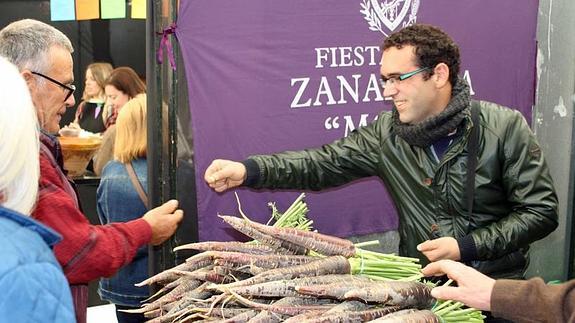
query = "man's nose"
{"x": 70, "y": 102}
{"x": 389, "y": 90}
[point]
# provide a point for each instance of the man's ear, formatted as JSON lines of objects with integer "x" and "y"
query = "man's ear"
{"x": 441, "y": 75}
{"x": 29, "y": 78}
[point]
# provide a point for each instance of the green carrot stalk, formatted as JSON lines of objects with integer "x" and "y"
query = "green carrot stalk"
{"x": 386, "y": 269}
{"x": 451, "y": 311}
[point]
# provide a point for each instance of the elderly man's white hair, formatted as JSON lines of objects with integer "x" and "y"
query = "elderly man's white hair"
{"x": 26, "y": 43}
{"x": 19, "y": 143}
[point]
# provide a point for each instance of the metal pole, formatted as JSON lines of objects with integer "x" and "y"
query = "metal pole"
{"x": 154, "y": 155}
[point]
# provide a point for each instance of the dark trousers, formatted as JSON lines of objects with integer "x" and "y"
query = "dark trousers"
{"x": 124, "y": 317}
{"x": 491, "y": 319}
{"x": 80, "y": 299}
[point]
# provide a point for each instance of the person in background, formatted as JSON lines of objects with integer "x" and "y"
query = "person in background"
{"x": 87, "y": 252}
{"x": 122, "y": 197}
{"x": 122, "y": 85}
{"x": 421, "y": 152}
{"x": 33, "y": 285}
{"x": 90, "y": 114}
{"x": 516, "y": 300}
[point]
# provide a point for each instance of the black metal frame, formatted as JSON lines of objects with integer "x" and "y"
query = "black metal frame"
{"x": 165, "y": 85}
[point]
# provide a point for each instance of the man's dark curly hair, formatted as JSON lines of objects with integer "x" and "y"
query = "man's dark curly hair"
{"x": 432, "y": 46}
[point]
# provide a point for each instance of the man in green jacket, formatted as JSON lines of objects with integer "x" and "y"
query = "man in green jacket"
{"x": 420, "y": 150}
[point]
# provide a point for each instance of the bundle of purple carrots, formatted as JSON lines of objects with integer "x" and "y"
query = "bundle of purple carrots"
{"x": 291, "y": 274}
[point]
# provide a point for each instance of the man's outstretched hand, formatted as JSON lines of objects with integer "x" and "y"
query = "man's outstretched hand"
{"x": 224, "y": 174}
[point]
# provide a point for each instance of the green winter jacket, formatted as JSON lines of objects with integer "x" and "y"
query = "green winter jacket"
{"x": 514, "y": 204}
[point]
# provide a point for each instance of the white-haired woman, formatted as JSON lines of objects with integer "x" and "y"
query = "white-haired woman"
{"x": 33, "y": 286}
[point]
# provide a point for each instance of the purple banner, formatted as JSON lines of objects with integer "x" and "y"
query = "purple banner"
{"x": 268, "y": 76}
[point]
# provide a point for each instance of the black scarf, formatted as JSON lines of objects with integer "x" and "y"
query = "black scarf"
{"x": 425, "y": 133}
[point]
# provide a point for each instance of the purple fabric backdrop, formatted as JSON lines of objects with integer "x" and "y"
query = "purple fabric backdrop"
{"x": 267, "y": 76}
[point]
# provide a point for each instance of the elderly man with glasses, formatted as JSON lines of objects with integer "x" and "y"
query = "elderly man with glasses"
{"x": 87, "y": 252}
{"x": 467, "y": 177}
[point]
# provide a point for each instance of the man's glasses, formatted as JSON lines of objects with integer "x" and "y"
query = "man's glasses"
{"x": 69, "y": 88}
{"x": 394, "y": 80}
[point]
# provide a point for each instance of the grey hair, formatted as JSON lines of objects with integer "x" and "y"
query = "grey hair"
{"x": 26, "y": 43}
{"x": 19, "y": 143}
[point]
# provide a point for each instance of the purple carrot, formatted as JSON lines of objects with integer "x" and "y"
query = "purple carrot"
{"x": 405, "y": 294}
{"x": 262, "y": 261}
{"x": 282, "y": 245}
{"x": 348, "y": 306}
{"x": 168, "y": 287}
{"x": 240, "y": 318}
{"x": 271, "y": 317}
{"x": 321, "y": 243}
{"x": 234, "y": 246}
{"x": 205, "y": 275}
{"x": 351, "y": 316}
{"x": 171, "y": 296}
{"x": 191, "y": 297}
{"x": 335, "y": 290}
{"x": 237, "y": 272}
{"x": 410, "y": 316}
{"x": 193, "y": 263}
{"x": 288, "y": 310}
{"x": 287, "y": 287}
{"x": 323, "y": 266}
{"x": 174, "y": 309}
{"x": 197, "y": 312}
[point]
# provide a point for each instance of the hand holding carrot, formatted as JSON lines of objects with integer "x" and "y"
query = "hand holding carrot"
{"x": 474, "y": 289}
{"x": 440, "y": 248}
{"x": 223, "y": 174}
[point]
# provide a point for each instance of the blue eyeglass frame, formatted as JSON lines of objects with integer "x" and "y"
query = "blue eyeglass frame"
{"x": 403, "y": 76}
{"x": 69, "y": 88}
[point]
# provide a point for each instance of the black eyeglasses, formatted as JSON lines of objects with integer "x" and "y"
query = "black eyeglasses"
{"x": 70, "y": 88}
{"x": 394, "y": 80}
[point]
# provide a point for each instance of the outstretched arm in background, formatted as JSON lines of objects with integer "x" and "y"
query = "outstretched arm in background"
{"x": 223, "y": 174}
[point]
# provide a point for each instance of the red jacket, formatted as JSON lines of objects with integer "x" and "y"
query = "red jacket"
{"x": 87, "y": 252}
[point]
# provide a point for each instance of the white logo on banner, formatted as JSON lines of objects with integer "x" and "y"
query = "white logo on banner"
{"x": 389, "y": 14}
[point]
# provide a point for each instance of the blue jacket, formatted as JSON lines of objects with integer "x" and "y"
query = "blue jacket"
{"x": 118, "y": 201}
{"x": 33, "y": 286}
